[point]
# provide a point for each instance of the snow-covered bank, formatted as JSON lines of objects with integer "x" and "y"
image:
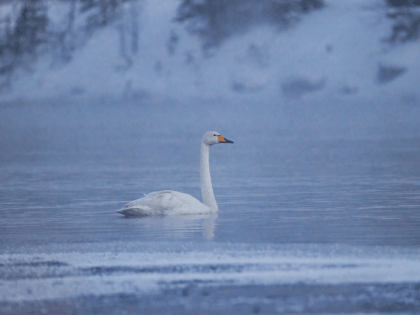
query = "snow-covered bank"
{"x": 338, "y": 53}
{"x": 134, "y": 269}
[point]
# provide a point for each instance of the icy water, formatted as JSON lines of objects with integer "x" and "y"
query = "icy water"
{"x": 313, "y": 217}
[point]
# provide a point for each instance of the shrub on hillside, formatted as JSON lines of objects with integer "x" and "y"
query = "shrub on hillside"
{"x": 406, "y": 25}
{"x": 215, "y": 20}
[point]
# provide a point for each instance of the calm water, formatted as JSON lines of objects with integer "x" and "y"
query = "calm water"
{"x": 65, "y": 169}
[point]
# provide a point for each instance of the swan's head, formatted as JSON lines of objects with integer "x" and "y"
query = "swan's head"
{"x": 213, "y": 137}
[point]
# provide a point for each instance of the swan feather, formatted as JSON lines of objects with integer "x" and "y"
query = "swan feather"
{"x": 165, "y": 202}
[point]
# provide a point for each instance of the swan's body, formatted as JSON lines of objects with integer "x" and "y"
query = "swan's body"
{"x": 164, "y": 202}
{"x": 173, "y": 202}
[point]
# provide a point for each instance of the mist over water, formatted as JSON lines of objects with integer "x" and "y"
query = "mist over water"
{"x": 318, "y": 197}
{"x": 299, "y": 189}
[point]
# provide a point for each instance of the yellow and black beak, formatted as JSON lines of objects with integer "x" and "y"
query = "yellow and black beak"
{"x": 223, "y": 140}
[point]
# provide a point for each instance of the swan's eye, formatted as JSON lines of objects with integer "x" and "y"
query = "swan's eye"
{"x": 215, "y": 135}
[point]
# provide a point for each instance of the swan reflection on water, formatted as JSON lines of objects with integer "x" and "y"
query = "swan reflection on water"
{"x": 180, "y": 226}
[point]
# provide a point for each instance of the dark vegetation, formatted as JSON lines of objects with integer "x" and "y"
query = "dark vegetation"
{"x": 20, "y": 39}
{"x": 406, "y": 16}
{"x": 215, "y": 20}
{"x": 388, "y": 73}
{"x": 403, "y": 3}
{"x": 27, "y": 32}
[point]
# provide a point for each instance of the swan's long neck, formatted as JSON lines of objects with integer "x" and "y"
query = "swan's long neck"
{"x": 206, "y": 186}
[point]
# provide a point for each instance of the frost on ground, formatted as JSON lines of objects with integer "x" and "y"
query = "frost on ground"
{"x": 298, "y": 278}
{"x": 40, "y": 276}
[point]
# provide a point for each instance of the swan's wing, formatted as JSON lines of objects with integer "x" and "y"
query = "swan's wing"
{"x": 164, "y": 202}
{"x": 142, "y": 206}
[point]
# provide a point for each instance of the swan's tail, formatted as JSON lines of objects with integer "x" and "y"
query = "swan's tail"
{"x": 122, "y": 211}
{"x": 133, "y": 211}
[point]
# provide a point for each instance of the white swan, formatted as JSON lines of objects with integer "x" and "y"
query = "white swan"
{"x": 173, "y": 202}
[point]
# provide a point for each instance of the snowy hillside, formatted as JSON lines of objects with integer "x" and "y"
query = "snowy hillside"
{"x": 340, "y": 52}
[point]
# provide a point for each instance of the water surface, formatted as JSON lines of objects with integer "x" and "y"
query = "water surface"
{"x": 65, "y": 169}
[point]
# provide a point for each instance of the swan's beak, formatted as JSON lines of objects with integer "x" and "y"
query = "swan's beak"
{"x": 223, "y": 140}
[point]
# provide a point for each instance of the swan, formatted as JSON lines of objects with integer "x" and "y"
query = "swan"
{"x": 173, "y": 202}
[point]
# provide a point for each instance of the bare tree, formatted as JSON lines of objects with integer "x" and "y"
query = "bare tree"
{"x": 20, "y": 43}
{"x": 215, "y": 20}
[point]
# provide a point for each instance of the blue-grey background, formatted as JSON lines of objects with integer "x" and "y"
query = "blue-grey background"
{"x": 318, "y": 198}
